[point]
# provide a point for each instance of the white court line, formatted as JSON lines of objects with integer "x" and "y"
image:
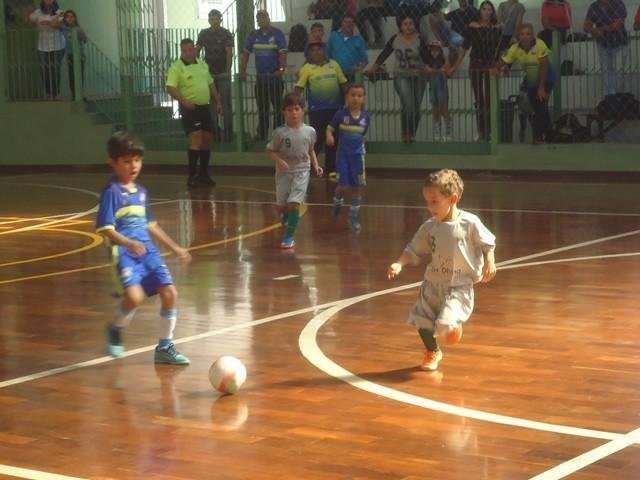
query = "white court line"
{"x": 417, "y": 207}
{"x": 105, "y": 359}
{"x": 590, "y": 457}
{"x": 309, "y": 347}
{"x": 53, "y": 222}
{"x": 568, "y": 247}
{"x": 149, "y": 348}
{"x": 286, "y": 277}
{"x": 567, "y": 260}
{"x": 33, "y": 474}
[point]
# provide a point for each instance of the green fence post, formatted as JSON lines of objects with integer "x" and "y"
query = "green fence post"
{"x": 556, "y": 64}
{"x": 238, "y": 108}
{"x": 494, "y": 84}
{"x": 3, "y": 59}
{"x": 77, "y": 66}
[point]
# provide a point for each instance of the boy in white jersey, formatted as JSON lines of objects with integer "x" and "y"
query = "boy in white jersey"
{"x": 291, "y": 149}
{"x": 459, "y": 251}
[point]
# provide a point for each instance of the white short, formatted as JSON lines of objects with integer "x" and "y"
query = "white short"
{"x": 441, "y": 306}
{"x": 291, "y": 187}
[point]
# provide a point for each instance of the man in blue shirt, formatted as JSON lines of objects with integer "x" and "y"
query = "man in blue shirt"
{"x": 270, "y": 47}
{"x": 347, "y": 48}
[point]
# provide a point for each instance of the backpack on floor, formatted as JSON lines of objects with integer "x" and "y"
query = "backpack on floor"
{"x": 619, "y": 106}
{"x": 568, "y": 129}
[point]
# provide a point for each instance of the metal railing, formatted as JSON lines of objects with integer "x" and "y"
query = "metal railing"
{"x": 136, "y": 96}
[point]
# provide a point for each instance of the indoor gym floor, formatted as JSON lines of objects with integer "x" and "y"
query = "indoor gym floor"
{"x": 544, "y": 385}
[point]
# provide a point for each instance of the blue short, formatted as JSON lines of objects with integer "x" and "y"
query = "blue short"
{"x": 438, "y": 90}
{"x": 350, "y": 170}
{"x": 148, "y": 271}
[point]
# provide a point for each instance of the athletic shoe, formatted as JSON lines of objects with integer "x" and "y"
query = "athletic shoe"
{"x": 431, "y": 360}
{"x": 170, "y": 355}
{"x": 354, "y": 221}
{"x": 287, "y": 243}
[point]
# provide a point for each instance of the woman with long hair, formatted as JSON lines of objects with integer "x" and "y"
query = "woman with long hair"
{"x": 483, "y": 39}
{"x": 409, "y": 79}
{"x": 69, "y": 24}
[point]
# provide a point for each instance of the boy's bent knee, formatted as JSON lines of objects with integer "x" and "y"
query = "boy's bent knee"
{"x": 133, "y": 297}
{"x": 169, "y": 295}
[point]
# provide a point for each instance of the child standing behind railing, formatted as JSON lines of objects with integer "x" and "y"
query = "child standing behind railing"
{"x": 437, "y": 69}
{"x": 70, "y": 23}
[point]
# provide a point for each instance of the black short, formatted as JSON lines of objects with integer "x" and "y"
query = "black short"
{"x": 197, "y": 119}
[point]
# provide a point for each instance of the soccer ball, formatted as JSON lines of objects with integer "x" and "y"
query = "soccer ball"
{"x": 227, "y": 374}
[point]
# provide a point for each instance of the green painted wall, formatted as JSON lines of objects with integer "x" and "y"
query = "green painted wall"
{"x": 56, "y": 133}
{"x": 98, "y": 18}
{"x": 50, "y": 133}
{"x": 184, "y": 14}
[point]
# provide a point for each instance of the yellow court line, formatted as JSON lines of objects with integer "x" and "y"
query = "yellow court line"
{"x": 191, "y": 249}
{"x": 96, "y": 240}
{"x": 29, "y": 219}
{"x": 70, "y": 223}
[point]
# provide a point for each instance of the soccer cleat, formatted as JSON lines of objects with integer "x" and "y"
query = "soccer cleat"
{"x": 354, "y": 222}
{"x": 431, "y": 360}
{"x": 114, "y": 343}
{"x": 454, "y": 335}
{"x": 170, "y": 355}
{"x": 287, "y": 243}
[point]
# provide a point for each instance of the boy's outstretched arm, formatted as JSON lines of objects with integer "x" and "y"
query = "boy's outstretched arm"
{"x": 395, "y": 268}
{"x": 489, "y": 270}
{"x": 133, "y": 246}
{"x": 159, "y": 234}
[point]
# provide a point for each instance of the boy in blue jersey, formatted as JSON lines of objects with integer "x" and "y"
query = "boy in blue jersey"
{"x": 124, "y": 218}
{"x": 350, "y": 124}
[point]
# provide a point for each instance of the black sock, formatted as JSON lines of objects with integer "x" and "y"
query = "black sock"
{"x": 193, "y": 162}
{"x": 430, "y": 342}
{"x": 205, "y": 156}
{"x": 115, "y": 335}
